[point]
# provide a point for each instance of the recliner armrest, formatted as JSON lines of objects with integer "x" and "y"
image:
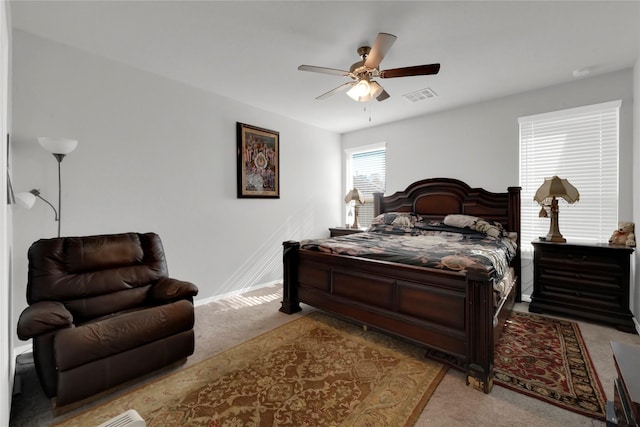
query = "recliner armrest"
{"x": 42, "y": 317}
{"x": 167, "y": 289}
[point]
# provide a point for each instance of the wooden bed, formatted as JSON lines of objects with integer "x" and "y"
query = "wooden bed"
{"x": 453, "y": 314}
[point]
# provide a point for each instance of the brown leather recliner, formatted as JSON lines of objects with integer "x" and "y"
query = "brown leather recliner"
{"x": 102, "y": 311}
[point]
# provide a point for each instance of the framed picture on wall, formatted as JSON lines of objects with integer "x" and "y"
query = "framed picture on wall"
{"x": 258, "y": 154}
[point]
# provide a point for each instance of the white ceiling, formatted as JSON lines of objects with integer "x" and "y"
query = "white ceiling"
{"x": 250, "y": 51}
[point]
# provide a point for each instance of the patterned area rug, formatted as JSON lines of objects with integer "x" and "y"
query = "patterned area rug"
{"x": 547, "y": 359}
{"x": 314, "y": 371}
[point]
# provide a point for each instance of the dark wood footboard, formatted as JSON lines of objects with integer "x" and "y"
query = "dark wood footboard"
{"x": 449, "y": 312}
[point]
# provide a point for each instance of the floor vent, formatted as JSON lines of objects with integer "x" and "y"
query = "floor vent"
{"x": 420, "y": 95}
{"x": 131, "y": 418}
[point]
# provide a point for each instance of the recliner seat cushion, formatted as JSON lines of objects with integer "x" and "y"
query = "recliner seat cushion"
{"x": 120, "y": 333}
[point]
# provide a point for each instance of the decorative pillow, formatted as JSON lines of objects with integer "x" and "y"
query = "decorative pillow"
{"x": 489, "y": 228}
{"x": 461, "y": 221}
{"x": 399, "y": 219}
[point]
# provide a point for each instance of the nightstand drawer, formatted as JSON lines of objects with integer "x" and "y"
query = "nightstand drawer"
{"x": 588, "y": 299}
{"x": 579, "y": 260}
{"x": 600, "y": 281}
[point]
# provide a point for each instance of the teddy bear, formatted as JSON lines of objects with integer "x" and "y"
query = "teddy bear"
{"x": 624, "y": 235}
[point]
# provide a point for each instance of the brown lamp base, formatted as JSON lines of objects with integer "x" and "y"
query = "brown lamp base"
{"x": 556, "y": 239}
{"x": 554, "y": 232}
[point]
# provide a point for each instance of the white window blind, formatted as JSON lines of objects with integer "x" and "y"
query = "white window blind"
{"x": 580, "y": 145}
{"x": 366, "y": 172}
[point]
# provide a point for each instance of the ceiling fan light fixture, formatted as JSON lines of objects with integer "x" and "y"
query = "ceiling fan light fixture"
{"x": 365, "y": 91}
{"x": 376, "y": 89}
{"x": 359, "y": 90}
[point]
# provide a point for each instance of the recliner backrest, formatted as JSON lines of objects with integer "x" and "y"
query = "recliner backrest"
{"x": 95, "y": 275}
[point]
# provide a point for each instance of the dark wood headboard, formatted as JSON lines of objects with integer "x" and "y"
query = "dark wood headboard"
{"x": 435, "y": 198}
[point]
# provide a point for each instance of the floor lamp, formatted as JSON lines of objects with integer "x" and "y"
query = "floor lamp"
{"x": 59, "y": 147}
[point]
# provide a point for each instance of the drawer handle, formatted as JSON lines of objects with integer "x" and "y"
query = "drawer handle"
{"x": 578, "y": 293}
{"x": 581, "y": 259}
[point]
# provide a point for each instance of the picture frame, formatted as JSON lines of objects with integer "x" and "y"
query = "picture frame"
{"x": 258, "y": 160}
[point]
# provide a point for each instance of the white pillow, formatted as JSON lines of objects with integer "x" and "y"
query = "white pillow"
{"x": 461, "y": 221}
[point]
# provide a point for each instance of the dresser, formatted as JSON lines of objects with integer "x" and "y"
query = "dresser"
{"x": 590, "y": 281}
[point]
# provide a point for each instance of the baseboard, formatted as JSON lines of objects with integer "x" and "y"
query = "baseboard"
{"x": 26, "y": 348}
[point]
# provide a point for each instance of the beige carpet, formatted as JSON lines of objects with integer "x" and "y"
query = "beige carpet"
{"x": 226, "y": 323}
{"x": 315, "y": 371}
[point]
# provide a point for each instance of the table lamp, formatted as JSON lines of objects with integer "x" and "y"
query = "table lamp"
{"x": 547, "y": 196}
{"x": 356, "y": 196}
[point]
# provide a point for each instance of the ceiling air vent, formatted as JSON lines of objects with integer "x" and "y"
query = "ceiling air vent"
{"x": 420, "y": 95}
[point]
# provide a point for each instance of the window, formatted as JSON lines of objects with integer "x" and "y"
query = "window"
{"x": 366, "y": 171}
{"x": 580, "y": 145}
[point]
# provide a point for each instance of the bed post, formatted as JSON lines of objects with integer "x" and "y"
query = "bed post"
{"x": 514, "y": 225}
{"x": 479, "y": 367}
{"x": 377, "y": 204}
{"x": 290, "y": 303}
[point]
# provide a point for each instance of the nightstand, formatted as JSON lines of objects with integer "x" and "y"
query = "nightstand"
{"x": 584, "y": 280}
{"x": 343, "y": 231}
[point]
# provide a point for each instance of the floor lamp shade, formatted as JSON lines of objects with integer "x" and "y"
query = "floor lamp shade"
{"x": 59, "y": 147}
{"x": 62, "y": 146}
{"x": 26, "y": 200}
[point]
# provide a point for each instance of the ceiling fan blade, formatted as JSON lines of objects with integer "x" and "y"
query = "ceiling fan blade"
{"x": 383, "y": 95}
{"x": 380, "y": 48}
{"x": 418, "y": 70}
{"x": 339, "y": 89}
{"x": 323, "y": 70}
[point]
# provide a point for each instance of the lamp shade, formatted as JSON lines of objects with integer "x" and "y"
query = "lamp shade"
{"x": 556, "y": 187}
{"x": 58, "y": 145}
{"x": 354, "y": 195}
{"x": 364, "y": 91}
{"x": 26, "y": 200}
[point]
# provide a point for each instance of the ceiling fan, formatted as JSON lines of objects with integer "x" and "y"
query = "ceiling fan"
{"x": 363, "y": 88}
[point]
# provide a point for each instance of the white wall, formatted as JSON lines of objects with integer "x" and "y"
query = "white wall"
{"x": 6, "y": 332}
{"x": 156, "y": 155}
{"x": 479, "y": 144}
{"x": 635, "y": 292}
